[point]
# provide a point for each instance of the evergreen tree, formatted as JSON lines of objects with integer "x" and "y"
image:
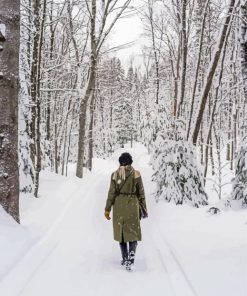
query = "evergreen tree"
{"x": 240, "y": 181}
{"x": 124, "y": 110}
{"x": 178, "y": 177}
{"x": 110, "y": 91}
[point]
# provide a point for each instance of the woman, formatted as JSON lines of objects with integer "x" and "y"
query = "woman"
{"x": 126, "y": 196}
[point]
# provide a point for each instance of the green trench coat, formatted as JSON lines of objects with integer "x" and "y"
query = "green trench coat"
{"x": 126, "y": 222}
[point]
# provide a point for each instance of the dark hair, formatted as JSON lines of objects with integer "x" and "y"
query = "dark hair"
{"x": 125, "y": 159}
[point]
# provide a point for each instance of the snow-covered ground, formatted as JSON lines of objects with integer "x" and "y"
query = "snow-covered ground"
{"x": 65, "y": 247}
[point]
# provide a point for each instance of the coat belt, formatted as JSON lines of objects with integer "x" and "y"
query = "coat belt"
{"x": 126, "y": 193}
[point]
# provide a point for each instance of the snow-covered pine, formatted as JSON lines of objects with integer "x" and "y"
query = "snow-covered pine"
{"x": 177, "y": 175}
{"x": 124, "y": 111}
{"x": 147, "y": 118}
{"x": 239, "y": 191}
{"x": 136, "y": 106}
{"x": 110, "y": 91}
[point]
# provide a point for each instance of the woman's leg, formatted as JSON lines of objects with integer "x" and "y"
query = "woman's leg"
{"x": 132, "y": 251}
{"x": 124, "y": 251}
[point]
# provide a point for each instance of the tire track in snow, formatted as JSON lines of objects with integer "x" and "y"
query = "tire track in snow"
{"x": 40, "y": 239}
{"x": 31, "y": 272}
{"x": 31, "y": 275}
{"x": 175, "y": 258}
{"x": 100, "y": 266}
{"x": 88, "y": 195}
{"x": 177, "y": 266}
{"x": 166, "y": 270}
{"x": 155, "y": 263}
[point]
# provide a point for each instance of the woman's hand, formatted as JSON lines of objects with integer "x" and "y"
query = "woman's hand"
{"x": 145, "y": 215}
{"x": 107, "y": 215}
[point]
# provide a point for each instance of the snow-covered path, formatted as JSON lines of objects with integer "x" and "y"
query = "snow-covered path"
{"x": 77, "y": 255}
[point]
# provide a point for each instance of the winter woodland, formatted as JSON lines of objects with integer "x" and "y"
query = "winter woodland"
{"x": 67, "y": 100}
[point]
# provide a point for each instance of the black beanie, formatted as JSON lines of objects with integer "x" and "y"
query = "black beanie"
{"x": 125, "y": 159}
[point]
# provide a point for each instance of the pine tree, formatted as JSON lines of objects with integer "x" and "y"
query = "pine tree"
{"x": 240, "y": 181}
{"x": 178, "y": 177}
{"x": 123, "y": 111}
{"x": 111, "y": 89}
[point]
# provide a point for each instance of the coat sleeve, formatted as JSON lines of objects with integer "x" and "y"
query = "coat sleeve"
{"x": 141, "y": 192}
{"x": 111, "y": 195}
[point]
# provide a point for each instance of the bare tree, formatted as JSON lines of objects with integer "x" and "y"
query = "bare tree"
{"x": 97, "y": 42}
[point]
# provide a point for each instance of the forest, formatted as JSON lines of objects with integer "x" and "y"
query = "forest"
{"x": 75, "y": 100}
{"x": 68, "y": 101}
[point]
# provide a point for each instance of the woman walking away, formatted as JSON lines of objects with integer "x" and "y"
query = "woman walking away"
{"x": 126, "y": 196}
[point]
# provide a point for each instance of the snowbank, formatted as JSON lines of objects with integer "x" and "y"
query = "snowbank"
{"x": 210, "y": 249}
{"x": 15, "y": 240}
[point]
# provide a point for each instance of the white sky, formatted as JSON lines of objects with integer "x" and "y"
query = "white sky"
{"x": 128, "y": 30}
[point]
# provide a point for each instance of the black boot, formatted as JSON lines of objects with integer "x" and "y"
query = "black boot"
{"x": 132, "y": 251}
{"x": 124, "y": 251}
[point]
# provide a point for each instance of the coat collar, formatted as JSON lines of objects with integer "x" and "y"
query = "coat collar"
{"x": 128, "y": 168}
{"x": 123, "y": 172}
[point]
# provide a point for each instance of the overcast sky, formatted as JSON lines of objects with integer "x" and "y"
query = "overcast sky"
{"x": 128, "y": 30}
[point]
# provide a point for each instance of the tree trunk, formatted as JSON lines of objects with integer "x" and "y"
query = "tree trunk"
{"x": 184, "y": 56}
{"x": 212, "y": 156}
{"x": 9, "y": 88}
{"x": 211, "y": 72}
{"x": 150, "y": 6}
{"x": 38, "y": 102}
{"x": 197, "y": 66}
{"x": 34, "y": 78}
{"x": 55, "y": 148}
{"x": 211, "y": 121}
{"x": 202, "y": 145}
{"x": 89, "y": 90}
{"x": 90, "y": 134}
{"x": 243, "y": 43}
{"x": 66, "y": 135}
{"x": 69, "y": 140}
{"x": 219, "y": 168}
{"x": 49, "y": 95}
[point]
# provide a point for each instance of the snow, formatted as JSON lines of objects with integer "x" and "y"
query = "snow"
{"x": 65, "y": 245}
{"x": 3, "y": 30}
{"x": 15, "y": 240}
